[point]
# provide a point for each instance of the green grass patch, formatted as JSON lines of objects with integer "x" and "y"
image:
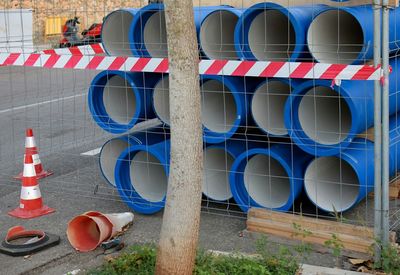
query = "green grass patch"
{"x": 141, "y": 260}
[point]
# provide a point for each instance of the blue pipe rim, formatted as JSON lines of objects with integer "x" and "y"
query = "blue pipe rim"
{"x": 105, "y": 19}
{"x": 242, "y": 30}
{"x": 96, "y": 104}
{"x": 287, "y": 81}
{"x": 228, "y": 8}
{"x": 294, "y": 127}
{"x": 239, "y": 191}
{"x": 124, "y": 138}
{"x": 125, "y": 187}
{"x": 229, "y": 151}
{"x": 136, "y": 36}
{"x": 162, "y": 78}
{"x": 349, "y": 161}
{"x": 348, "y": 10}
{"x": 213, "y": 137}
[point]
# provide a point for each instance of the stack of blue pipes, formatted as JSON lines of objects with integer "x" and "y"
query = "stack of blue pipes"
{"x": 268, "y": 142}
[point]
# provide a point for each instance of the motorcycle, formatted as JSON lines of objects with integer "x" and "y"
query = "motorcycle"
{"x": 70, "y": 32}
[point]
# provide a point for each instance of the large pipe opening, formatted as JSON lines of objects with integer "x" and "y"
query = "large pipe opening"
{"x": 268, "y": 107}
{"x": 217, "y": 35}
{"x": 271, "y": 36}
{"x": 332, "y": 184}
{"x": 161, "y": 100}
{"x": 335, "y": 36}
{"x": 217, "y": 165}
{"x": 119, "y": 100}
{"x": 324, "y": 116}
{"x": 266, "y": 181}
{"x": 115, "y": 33}
{"x": 148, "y": 177}
{"x": 109, "y": 156}
{"x": 218, "y": 107}
{"x": 155, "y": 35}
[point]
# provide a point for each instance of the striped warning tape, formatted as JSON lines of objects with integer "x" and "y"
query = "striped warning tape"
{"x": 91, "y": 49}
{"x": 302, "y": 70}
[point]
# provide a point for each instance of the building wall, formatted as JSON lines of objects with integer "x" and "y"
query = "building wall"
{"x": 89, "y": 12}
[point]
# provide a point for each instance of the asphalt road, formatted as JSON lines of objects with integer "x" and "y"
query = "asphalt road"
{"x": 53, "y": 103}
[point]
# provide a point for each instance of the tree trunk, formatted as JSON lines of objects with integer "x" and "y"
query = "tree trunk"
{"x": 180, "y": 228}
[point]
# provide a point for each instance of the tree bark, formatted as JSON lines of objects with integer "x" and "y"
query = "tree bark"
{"x": 180, "y": 228}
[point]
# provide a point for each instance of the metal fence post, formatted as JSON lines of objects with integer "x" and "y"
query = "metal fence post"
{"x": 385, "y": 124}
{"x": 378, "y": 136}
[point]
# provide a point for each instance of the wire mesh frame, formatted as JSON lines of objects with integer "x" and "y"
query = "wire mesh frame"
{"x": 85, "y": 131}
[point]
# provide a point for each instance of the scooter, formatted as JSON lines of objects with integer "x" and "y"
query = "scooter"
{"x": 70, "y": 36}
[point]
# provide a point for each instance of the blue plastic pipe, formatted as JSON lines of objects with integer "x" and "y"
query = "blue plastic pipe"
{"x": 338, "y": 183}
{"x": 113, "y": 148}
{"x": 148, "y": 34}
{"x": 115, "y": 32}
{"x": 119, "y": 100}
{"x": 218, "y": 160}
{"x": 215, "y": 33}
{"x": 323, "y": 120}
{"x": 268, "y": 31}
{"x": 138, "y": 35}
{"x": 345, "y": 34}
{"x": 268, "y": 178}
{"x": 268, "y": 105}
{"x": 225, "y": 106}
{"x": 141, "y": 176}
{"x": 160, "y": 99}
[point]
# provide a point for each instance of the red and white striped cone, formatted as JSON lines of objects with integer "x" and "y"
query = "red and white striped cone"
{"x": 31, "y": 149}
{"x": 31, "y": 203}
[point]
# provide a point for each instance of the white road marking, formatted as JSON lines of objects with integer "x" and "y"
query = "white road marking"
{"x": 40, "y": 103}
{"x": 93, "y": 152}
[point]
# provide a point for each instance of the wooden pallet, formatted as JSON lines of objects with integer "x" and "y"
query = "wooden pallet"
{"x": 394, "y": 189}
{"x": 359, "y": 239}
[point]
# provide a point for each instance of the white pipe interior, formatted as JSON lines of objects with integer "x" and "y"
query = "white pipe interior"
{"x": 148, "y": 177}
{"x": 335, "y": 37}
{"x": 271, "y": 36}
{"x": 331, "y": 183}
{"x": 155, "y": 35}
{"x": 115, "y": 33}
{"x": 268, "y": 106}
{"x": 216, "y": 35}
{"x": 119, "y": 100}
{"x": 161, "y": 100}
{"x": 109, "y": 156}
{"x": 219, "y": 110}
{"x": 217, "y": 165}
{"x": 324, "y": 116}
{"x": 266, "y": 181}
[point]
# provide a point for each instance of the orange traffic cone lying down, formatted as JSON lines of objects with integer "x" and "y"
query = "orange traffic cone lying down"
{"x": 87, "y": 231}
{"x": 31, "y": 149}
{"x": 31, "y": 203}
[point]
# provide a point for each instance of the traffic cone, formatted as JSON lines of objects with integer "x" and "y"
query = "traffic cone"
{"x": 31, "y": 149}
{"x": 87, "y": 231}
{"x": 31, "y": 204}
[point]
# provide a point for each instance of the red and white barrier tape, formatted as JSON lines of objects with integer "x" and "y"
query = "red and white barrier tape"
{"x": 302, "y": 70}
{"x": 91, "y": 49}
